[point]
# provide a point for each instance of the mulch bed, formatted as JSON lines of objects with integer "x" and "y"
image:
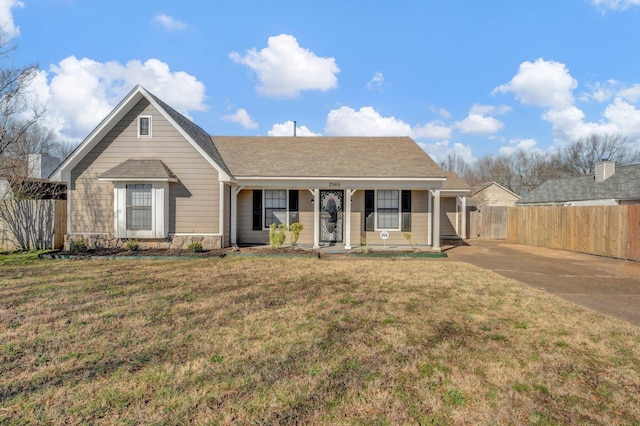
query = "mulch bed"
{"x": 147, "y": 252}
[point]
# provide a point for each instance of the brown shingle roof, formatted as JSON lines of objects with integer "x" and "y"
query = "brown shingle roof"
{"x": 357, "y": 157}
{"x": 139, "y": 169}
{"x": 454, "y": 182}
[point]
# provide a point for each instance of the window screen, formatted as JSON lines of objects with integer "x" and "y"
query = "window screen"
{"x": 139, "y": 207}
{"x": 388, "y": 205}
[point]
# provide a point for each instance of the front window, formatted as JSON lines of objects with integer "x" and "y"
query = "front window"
{"x": 388, "y": 209}
{"x": 139, "y": 207}
{"x": 275, "y": 207}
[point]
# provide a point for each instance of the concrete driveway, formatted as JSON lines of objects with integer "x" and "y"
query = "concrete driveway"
{"x": 610, "y": 286}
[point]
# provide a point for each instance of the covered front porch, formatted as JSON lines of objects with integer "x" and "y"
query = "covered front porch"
{"x": 341, "y": 214}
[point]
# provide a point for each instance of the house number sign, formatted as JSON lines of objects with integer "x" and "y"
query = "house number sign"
{"x": 334, "y": 184}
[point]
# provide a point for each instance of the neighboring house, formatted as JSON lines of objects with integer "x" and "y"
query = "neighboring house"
{"x": 610, "y": 185}
{"x": 149, "y": 173}
{"x": 492, "y": 194}
{"x": 29, "y": 178}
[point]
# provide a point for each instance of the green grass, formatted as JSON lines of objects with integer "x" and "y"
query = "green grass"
{"x": 289, "y": 341}
{"x": 15, "y": 258}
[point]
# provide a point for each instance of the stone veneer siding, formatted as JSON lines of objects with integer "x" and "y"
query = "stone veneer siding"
{"x": 178, "y": 242}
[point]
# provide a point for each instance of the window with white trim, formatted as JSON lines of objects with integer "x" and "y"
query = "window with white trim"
{"x": 144, "y": 126}
{"x": 388, "y": 209}
{"x": 275, "y": 207}
{"x": 281, "y": 206}
{"x": 139, "y": 211}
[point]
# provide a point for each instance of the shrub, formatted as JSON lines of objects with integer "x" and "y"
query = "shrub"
{"x": 78, "y": 246}
{"x": 295, "y": 229}
{"x": 364, "y": 246}
{"x": 132, "y": 245}
{"x": 277, "y": 236}
{"x": 414, "y": 243}
{"x": 195, "y": 247}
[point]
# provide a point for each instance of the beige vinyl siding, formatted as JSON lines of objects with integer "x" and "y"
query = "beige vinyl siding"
{"x": 419, "y": 222}
{"x": 194, "y": 199}
{"x": 245, "y": 232}
{"x": 448, "y": 216}
{"x": 419, "y": 217}
{"x": 305, "y": 216}
{"x": 495, "y": 196}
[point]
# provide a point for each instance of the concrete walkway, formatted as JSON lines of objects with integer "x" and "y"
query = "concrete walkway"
{"x": 610, "y": 286}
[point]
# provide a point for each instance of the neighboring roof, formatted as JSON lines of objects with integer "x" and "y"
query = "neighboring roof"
{"x": 140, "y": 169}
{"x": 624, "y": 184}
{"x": 355, "y": 157}
{"x": 481, "y": 187}
{"x": 454, "y": 182}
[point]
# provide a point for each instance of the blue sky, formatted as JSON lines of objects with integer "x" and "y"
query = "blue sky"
{"x": 467, "y": 77}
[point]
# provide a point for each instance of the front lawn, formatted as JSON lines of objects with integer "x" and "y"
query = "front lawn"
{"x": 308, "y": 341}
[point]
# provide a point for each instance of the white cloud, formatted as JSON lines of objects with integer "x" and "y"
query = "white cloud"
{"x": 79, "y": 93}
{"x": 7, "y": 25}
{"x": 616, "y": 4}
{"x": 435, "y": 130}
{"x": 624, "y": 116}
{"x": 441, "y": 112}
{"x": 490, "y": 109}
{"x": 439, "y": 151}
{"x": 169, "y": 23}
{"x": 479, "y": 124}
{"x": 376, "y": 82}
{"x": 601, "y": 92}
{"x": 241, "y": 117}
{"x": 367, "y": 121}
{"x": 632, "y": 94}
{"x": 542, "y": 83}
{"x": 286, "y": 129}
{"x": 285, "y": 69}
{"x": 569, "y": 124}
{"x": 519, "y": 145}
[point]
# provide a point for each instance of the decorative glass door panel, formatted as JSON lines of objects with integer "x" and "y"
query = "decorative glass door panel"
{"x": 331, "y": 216}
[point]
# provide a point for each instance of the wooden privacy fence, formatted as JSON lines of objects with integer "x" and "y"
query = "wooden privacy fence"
{"x": 34, "y": 224}
{"x": 488, "y": 222}
{"x": 612, "y": 231}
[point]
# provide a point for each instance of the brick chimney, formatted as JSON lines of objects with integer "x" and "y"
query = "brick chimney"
{"x": 604, "y": 170}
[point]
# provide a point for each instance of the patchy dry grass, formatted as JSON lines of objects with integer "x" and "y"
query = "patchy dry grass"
{"x": 281, "y": 341}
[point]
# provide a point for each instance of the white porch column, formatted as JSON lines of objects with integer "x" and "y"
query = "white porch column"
{"x": 221, "y": 213}
{"x": 347, "y": 219}
{"x": 436, "y": 220}
{"x": 316, "y": 218}
{"x": 234, "y": 214}
{"x": 463, "y": 223}
{"x": 429, "y": 217}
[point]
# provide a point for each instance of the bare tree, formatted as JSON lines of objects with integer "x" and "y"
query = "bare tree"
{"x": 520, "y": 171}
{"x": 531, "y": 169}
{"x": 580, "y": 157}
{"x": 25, "y": 210}
{"x": 453, "y": 163}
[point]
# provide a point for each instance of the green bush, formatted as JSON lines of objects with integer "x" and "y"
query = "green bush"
{"x": 78, "y": 246}
{"x": 277, "y": 235}
{"x": 132, "y": 245}
{"x": 364, "y": 246}
{"x": 295, "y": 229}
{"x": 195, "y": 247}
